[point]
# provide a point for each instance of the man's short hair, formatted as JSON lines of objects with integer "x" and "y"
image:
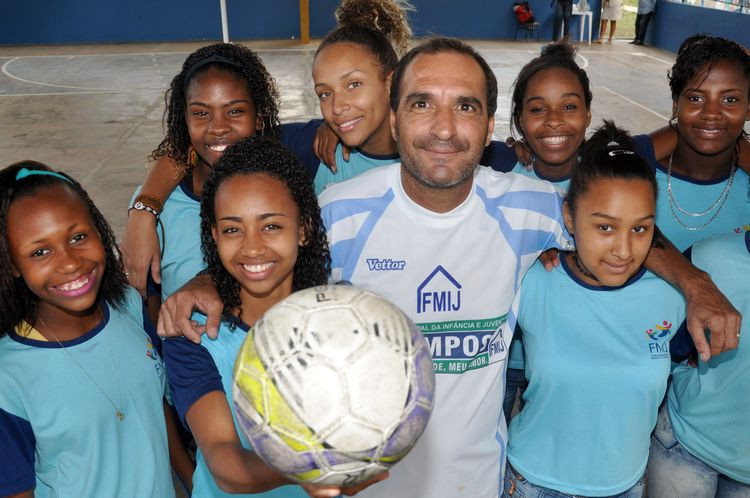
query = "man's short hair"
{"x": 438, "y": 45}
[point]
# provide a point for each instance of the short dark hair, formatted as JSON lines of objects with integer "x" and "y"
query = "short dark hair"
{"x": 255, "y": 155}
{"x": 609, "y": 154}
{"x": 438, "y": 45}
{"x": 553, "y": 55}
{"x": 16, "y": 299}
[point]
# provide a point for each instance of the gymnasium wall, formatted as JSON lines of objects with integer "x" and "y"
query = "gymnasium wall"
{"x": 108, "y": 21}
{"x": 673, "y": 22}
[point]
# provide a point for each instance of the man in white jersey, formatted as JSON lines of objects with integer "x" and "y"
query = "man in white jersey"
{"x": 450, "y": 243}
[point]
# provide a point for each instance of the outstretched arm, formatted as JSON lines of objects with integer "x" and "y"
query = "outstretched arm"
{"x": 707, "y": 308}
{"x": 140, "y": 244}
{"x": 235, "y": 468}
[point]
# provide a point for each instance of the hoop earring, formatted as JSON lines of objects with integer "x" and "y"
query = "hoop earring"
{"x": 673, "y": 122}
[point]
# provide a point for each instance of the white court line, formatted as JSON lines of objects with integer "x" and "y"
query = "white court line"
{"x": 6, "y": 73}
{"x": 641, "y": 54}
{"x": 115, "y": 54}
{"x": 107, "y": 92}
{"x": 665, "y": 118}
{"x": 585, "y": 61}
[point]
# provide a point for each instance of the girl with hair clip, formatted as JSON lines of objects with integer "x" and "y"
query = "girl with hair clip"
{"x": 596, "y": 376}
{"x": 82, "y": 409}
{"x": 551, "y": 111}
{"x": 262, "y": 238}
{"x": 701, "y": 184}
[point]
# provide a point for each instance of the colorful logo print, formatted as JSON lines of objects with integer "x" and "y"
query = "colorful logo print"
{"x": 659, "y": 331}
{"x": 150, "y": 352}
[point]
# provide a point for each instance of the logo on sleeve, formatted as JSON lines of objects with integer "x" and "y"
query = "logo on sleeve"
{"x": 439, "y": 292}
{"x": 658, "y": 344}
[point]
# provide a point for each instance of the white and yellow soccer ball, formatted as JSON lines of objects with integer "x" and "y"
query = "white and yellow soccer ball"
{"x": 333, "y": 385}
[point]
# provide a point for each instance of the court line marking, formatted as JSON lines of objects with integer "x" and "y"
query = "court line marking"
{"x": 5, "y": 71}
{"x": 59, "y": 93}
{"x": 641, "y": 54}
{"x": 665, "y": 118}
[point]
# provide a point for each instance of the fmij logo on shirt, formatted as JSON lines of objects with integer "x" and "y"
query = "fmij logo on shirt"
{"x": 439, "y": 292}
{"x": 658, "y": 345}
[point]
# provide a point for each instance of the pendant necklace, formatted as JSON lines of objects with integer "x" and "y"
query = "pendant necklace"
{"x": 717, "y": 205}
{"x": 118, "y": 412}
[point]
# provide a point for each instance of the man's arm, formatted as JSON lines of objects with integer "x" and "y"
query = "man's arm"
{"x": 707, "y": 308}
{"x": 199, "y": 294}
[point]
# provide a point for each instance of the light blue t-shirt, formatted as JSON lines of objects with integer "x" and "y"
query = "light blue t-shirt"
{"x": 197, "y": 369}
{"x": 359, "y": 162}
{"x": 181, "y": 257}
{"x": 516, "y": 354}
{"x": 697, "y": 196}
{"x": 709, "y": 406}
{"x": 597, "y": 361}
{"x": 59, "y": 433}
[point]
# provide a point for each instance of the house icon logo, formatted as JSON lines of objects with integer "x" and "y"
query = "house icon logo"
{"x": 439, "y": 292}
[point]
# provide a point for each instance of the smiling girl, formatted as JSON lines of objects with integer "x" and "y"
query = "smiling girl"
{"x": 222, "y": 94}
{"x": 702, "y": 190}
{"x": 81, "y": 404}
{"x": 596, "y": 376}
{"x": 262, "y": 238}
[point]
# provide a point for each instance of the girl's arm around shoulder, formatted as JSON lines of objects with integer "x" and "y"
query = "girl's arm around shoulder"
{"x": 140, "y": 244}
{"x": 499, "y": 156}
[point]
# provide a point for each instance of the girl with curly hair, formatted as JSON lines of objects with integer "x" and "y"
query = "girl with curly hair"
{"x": 80, "y": 376}
{"x": 262, "y": 237}
{"x": 222, "y": 94}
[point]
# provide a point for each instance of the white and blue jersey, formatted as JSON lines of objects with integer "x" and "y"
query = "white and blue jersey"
{"x": 195, "y": 370}
{"x": 358, "y": 163}
{"x": 516, "y": 355}
{"x": 455, "y": 274}
{"x": 58, "y": 432}
{"x": 709, "y": 406}
{"x": 697, "y": 196}
{"x": 597, "y": 361}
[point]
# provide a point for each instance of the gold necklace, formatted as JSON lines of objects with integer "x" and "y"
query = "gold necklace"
{"x": 118, "y": 412}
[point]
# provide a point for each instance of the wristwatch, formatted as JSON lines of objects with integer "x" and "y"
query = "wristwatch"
{"x": 147, "y": 203}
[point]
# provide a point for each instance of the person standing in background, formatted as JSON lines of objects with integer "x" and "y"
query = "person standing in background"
{"x": 643, "y": 17}
{"x": 611, "y": 11}
{"x": 563, "y": 9}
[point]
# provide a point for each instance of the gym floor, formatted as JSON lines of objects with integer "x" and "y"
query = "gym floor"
{"x": 95, "y": 111}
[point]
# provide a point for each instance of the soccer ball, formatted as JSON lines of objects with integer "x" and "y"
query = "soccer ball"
{"x": 333, "y": 385}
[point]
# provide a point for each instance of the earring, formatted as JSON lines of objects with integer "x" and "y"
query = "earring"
{"x": 673, "y": 122}
{"x": 192, "y": 156}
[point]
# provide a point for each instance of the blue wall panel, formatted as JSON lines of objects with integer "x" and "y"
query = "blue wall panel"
{"x": 97, "y": 21}
{"x": 673, "y": 22}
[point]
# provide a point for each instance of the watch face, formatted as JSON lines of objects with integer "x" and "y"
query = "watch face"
{"x": 139, "y": 205}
